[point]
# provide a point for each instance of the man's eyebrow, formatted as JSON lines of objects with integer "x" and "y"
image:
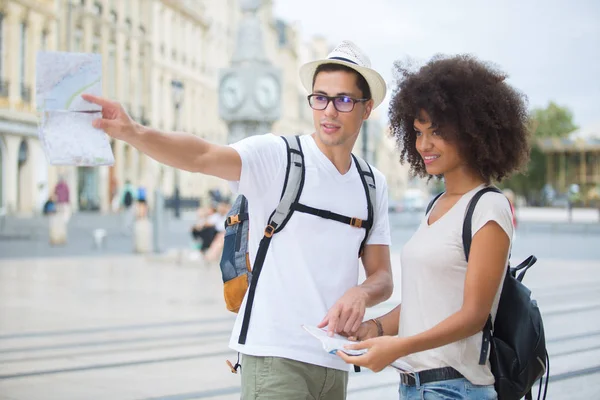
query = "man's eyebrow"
{"x": 338, "y": 94}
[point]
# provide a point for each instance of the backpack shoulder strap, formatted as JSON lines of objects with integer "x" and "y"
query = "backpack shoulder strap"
{"x": 292, "y": 186}
{"x": 467, "y": 230}
{"x": 432, "y": 202}
{"x": 368, "y": 180}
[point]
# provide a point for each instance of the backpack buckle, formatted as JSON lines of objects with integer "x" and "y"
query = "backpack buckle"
{"x": 356, "y": 222}
{"x": 233, "y": 219}
{"x": 269, "y": 231}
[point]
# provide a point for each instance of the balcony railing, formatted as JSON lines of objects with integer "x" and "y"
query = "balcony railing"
{"x": 25, "y": 93}
{"x": 3, "y": 88}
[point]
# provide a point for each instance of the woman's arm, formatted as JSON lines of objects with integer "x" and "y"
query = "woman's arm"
{"x": 485, "y": 270}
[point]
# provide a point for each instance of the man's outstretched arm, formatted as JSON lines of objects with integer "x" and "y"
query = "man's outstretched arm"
{"x": 177, "y": 149}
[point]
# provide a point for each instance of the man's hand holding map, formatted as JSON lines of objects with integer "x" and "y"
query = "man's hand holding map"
{"x": 65, "y": 118}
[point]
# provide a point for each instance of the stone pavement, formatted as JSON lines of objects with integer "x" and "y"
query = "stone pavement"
{"x": 133, "y": 327}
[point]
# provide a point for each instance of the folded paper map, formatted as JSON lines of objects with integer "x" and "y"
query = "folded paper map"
{"x": 64, "y": 118}
{"x": 332, "y": 344}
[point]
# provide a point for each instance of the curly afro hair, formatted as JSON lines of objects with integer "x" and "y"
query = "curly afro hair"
{"x": 474, "y": 108}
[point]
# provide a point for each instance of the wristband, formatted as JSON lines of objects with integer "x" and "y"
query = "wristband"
{"x": 379, "y": 326}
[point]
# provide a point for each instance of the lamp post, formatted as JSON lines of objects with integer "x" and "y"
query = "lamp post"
{"x": 177, "y": 92}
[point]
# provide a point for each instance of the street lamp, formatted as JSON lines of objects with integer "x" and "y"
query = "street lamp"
{"x": 177, "y": 92}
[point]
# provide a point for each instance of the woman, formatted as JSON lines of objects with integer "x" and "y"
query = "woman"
{"x": 458, "y": 119}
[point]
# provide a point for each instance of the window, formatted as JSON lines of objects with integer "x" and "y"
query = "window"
{"x": 111, "y": 69}
{"x": 126, "y": 74}
{"x": 77, "y": 46}
{"x": 44, "y": 40}
{"x": 98, "y": 8}
{"x": 141, "y": 82}
{"x": 23, "y": 54}
{"x": 1, "y": 45}
{"x": 96, "y": 44}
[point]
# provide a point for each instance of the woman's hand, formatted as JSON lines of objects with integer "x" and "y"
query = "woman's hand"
{"x": 381, "y": 352}
{"x": 366, "y": 330}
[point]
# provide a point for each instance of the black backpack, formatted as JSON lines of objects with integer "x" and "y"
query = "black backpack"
{"x": 515, "y": 339}
{"x": 128, "y": 199}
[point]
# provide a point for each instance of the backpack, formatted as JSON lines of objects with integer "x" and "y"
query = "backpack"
{"x": 128, "y": 199}
{"x": 237, "y": 273}
{"x": 515, "y": 340}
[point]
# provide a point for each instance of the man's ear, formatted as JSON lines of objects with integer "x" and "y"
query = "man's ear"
{"x": 368, "y": 109}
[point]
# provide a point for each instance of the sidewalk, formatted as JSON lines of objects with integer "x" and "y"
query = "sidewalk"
{"x": 125, "y": 328}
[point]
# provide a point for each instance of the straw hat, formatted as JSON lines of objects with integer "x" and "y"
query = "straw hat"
{"x": 348, "y": 54}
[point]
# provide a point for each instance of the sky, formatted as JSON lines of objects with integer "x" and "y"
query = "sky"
{"x": 550, "y": 49}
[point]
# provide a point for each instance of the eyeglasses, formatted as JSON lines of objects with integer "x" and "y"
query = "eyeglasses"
{"x": 341, "y": 103}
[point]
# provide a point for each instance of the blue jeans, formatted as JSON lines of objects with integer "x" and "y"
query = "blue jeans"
{"x": 453, "y": 389}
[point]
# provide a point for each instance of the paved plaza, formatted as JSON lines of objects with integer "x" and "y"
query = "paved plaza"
{"x": 138, "y": 327}
{"x": 78, "y": 322}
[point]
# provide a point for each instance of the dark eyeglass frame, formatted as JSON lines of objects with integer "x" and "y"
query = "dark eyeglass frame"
{"x": 332, "y": 99}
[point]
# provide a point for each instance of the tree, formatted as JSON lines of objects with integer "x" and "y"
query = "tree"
{"x": 552, "y": 121}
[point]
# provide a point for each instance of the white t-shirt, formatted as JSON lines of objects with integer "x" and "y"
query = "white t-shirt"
{"x": 433, "y": 278}
{"x": 310, "y": 263}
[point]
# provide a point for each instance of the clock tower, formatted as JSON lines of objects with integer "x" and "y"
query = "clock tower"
{"x": 250, "y": 89}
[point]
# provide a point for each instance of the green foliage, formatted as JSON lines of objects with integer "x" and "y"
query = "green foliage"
{"x": 530, "y": 182}
{"x": 552, "y": 121}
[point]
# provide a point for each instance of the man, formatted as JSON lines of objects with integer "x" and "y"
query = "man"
{"x": 310, "y": 272}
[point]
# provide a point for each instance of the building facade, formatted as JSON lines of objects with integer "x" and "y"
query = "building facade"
{"x": 575, "y": 161}
{"x": 25, "y": 27}
{"x": 161, "y": 60}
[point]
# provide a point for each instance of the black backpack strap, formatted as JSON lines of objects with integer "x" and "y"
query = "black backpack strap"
{"x": 292, "y": 189}
{"x": 355, "y": 222}
{"x": 432, "y": 202}
{"x": 368, "y": 180}
{"x": 467, "y": 233}
{"x": 467, "y": 230}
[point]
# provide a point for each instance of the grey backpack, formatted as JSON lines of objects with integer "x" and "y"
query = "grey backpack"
{"x": 237, "y": 273}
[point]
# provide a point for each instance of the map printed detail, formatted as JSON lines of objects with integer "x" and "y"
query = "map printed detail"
{"x": 337, "y": 342}
{"x": 65, "y": 119}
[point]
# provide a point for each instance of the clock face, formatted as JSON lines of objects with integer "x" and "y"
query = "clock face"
{"x": 267, "y": 91}
{"x": 232, "y": 91}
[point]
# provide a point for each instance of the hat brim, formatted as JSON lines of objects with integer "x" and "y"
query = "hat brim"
{"x": 374, "y": 79}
